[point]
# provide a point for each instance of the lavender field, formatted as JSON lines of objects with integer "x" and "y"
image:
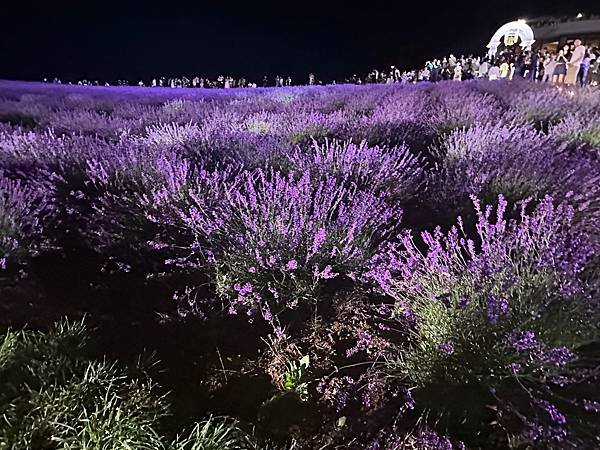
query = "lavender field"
{"x": 380, "y": 267}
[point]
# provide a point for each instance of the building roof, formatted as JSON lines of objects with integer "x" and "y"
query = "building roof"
{"x": 548, "y": 29}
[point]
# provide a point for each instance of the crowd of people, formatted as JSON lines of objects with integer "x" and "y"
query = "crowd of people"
{"x": 222, "y": 82}
{"x": 572, "y": 64}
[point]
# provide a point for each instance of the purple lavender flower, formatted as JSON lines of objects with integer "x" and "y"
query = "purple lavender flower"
{"x": 363, "y": 343}
{"x": 591, "y": 405}
{"x": 515, "y": 367}
{"x": 318, "y": 241}
{"x": 266, "y": 313}
{"x": 523, "y": 341}
{"x": 496, "y": 308}
{"x": 429, "y": 440}
{"x": 558, "y": 356}
{"x": 326, "y": 274}
{"x": 409, "y": 401}
{"x": 270, "y": 217}
{"x": 555, "y": 415}
{"x": 545, "y": 433}
{"x": 446, "y": 347}
{"x": 23, "y": 210}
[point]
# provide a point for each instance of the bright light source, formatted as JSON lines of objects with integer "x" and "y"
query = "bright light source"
{"x": 579, "y": 15}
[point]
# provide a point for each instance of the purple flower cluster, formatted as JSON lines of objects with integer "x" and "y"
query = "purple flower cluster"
{"x": 516, "y": 161}
{"x": 284, "y": 236}
{"x": 550, "y": 427}
{"x": 420, "y": 440}
{"x": 491, "y": 272}
{"x": 22, "y": 212}
{"x": 468, "y": 296}
{"x": 525, "y": 341}
{"x": 394, "y": 172}
{"x": 447, "y": 348}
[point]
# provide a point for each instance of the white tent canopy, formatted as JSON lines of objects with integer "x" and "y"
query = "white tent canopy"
{"x": 510, "y": 32}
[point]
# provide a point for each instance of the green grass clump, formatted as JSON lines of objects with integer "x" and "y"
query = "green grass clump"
{"x": 55, "y": 394}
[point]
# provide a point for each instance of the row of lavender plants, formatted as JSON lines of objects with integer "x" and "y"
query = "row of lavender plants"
{"x": 422, "y": 259}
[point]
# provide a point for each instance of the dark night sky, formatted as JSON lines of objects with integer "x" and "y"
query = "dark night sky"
{"x": 112, "y": 39}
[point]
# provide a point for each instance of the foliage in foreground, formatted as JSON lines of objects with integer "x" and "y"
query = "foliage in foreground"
{"x": 506, "y": 317}
{"x": 54, "y": 395}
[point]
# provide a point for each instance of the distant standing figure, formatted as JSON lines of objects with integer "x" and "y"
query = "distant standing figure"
{"x": 494, "y": 72}
{"x": 483, "y": 69}
{"x": 458, "y": 72}
{"x": 549, "y": 66}
{"x": 504, "y": 70}
{"x": 574, "y": 63}
{"x": 451, "y": 62}
{"x": 560, "y": 68}
{"x": 582, "y": 76}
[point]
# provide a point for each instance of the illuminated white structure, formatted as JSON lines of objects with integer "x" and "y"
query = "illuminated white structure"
{"x": 510, "y": 33}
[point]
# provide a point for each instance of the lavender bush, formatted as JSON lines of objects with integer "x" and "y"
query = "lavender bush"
{"x": 22, "y": 213}
{"x": 517, "y": 162}
{"x": 393, "y": 172}
{"x": 510, "y": 308}
{"x": 275, "y": 240}
{"x": 583, "y": 129}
